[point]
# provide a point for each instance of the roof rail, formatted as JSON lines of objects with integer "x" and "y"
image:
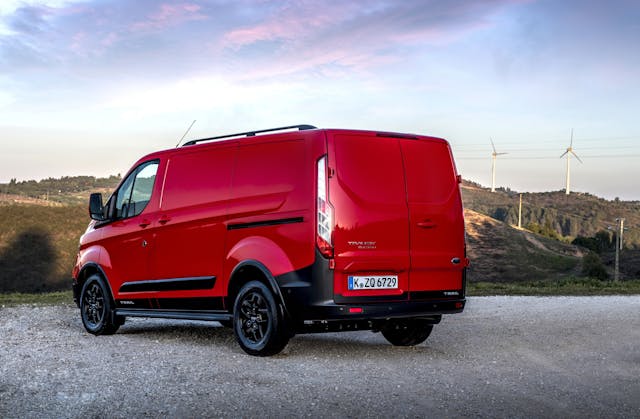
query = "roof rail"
{"x": 301, "y": 127}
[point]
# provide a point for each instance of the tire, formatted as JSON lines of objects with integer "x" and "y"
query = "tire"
{"x": 406, "y": 332}
{"x": 258, "y": 324}
{"x": 96, "y": 308}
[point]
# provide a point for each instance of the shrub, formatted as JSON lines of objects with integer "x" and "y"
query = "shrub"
{"x": 593, "y": 267}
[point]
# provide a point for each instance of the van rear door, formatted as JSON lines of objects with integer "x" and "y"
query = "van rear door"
{"x": 436, "y": 223}
{"x": 398, "y": 215}
{"x": 371, "y": 233}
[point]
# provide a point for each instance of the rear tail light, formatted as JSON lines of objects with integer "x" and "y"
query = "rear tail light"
{"x": 325, "y": 211}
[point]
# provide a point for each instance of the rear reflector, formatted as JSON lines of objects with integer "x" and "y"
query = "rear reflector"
{"x": 355, "y": 310}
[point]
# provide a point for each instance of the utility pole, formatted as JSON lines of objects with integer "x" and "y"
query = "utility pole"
{"x": 616, "y": 275}
{"x": 520, "y": 213}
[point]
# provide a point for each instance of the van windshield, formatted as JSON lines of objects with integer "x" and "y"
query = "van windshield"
{"x": 135, "y": 192}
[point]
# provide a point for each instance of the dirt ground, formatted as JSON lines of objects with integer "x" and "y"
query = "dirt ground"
{"x": 502, "y": 357}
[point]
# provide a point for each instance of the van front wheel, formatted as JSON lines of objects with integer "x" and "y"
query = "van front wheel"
{"x": 96, "y": 308}
{"x": 257, "y": 321}
{"x": 406, "y": 332}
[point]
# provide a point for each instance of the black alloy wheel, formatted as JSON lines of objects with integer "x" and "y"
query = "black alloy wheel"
{"x": 406, "y": 332}
{"x": 96, "y": 308}
{"x": 257, "y": 321}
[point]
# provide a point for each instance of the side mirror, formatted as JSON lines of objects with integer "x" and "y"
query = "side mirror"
{"x": 96, "y": 208}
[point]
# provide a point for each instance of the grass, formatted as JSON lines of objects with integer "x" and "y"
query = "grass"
{"x": 50, "y": 298}
{"x": 567, "y": 286}
{"x": 38, "y": 246}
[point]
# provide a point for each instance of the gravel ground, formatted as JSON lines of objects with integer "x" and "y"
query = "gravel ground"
{"x": 502, "y": 357}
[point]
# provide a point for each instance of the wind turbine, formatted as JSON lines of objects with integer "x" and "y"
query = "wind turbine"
{"x": 568, "y": 153}
{"x": 494, "y": 155}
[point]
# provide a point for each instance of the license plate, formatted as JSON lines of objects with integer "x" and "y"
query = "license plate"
{"x": 373, "y": 282}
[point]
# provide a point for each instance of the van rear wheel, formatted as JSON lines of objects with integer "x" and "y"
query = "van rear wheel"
{"x": 406, "y": 332}
{"x": 258, "y": 324}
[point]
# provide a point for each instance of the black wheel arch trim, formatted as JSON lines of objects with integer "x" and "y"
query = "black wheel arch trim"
{"x": 103, "y": 279}
{"x": 273, "y": 284}
{"x": 82, "y": 274}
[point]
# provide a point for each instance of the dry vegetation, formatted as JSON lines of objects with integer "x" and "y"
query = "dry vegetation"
{"x": 501, "y": 253}
{"x": 38, "y": 245}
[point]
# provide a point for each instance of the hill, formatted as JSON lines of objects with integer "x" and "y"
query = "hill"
{"x": 557, "y": 219}
{"x": 68, "y": 190}
{"x": 569, "y": 216}
{"x": 501, "y": 253}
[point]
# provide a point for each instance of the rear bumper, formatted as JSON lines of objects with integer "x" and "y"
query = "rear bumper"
{"x": 381, "y": 310}
{"x": 332, "y": 317}
{"x": 308, "y": 296}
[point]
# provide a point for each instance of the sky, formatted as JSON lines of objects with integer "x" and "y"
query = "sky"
{"x": 89, "y": 86}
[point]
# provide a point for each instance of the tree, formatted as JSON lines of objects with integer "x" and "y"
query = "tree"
{"x": 593, "y": 267}
{"x": 604, "y": 241}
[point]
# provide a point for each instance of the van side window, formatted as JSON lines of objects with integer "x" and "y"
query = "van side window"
{"x": 135, "y": 192}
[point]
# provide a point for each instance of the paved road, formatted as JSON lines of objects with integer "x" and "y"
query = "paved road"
{"x": 503, "y": 357}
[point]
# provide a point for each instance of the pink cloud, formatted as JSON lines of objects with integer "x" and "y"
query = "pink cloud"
{"x": 110, "y": 39}
{"x": 339, "y": 36}
{"x": 292, "y": 23}
{"x": 168, "y": 15}
{"x": 77, "y": 42}
{"x": 358, "y": 36}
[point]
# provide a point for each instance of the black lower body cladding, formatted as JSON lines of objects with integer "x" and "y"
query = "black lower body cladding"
{"x": 308, "y": 296}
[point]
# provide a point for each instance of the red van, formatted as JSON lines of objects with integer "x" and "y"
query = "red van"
{"x": 281, "y": 231}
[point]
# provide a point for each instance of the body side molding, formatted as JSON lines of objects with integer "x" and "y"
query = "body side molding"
{"x": 173, "y": 284}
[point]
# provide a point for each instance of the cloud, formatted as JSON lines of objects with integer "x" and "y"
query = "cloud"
{"x": 379, "y": 22}
{"x": 291, "y": 22}
{"x": 19, "y": 15}
{"x": 311, "y": 35}
{"x": 167, "y": 15}
{"x": 29, "y": 35}
{"x": 147, "y": 59}
{"x": 264, "y": 39}
{"x": 30, "y": 20}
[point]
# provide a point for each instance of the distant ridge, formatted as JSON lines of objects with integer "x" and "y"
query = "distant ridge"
{"x": 578, "y": 214}
{"x": 68, "y": 190}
